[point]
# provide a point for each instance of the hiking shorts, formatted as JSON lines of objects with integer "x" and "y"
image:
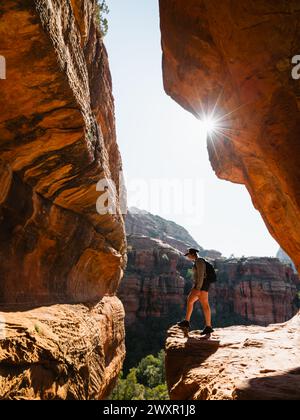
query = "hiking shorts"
{"x": 205, "y": 286}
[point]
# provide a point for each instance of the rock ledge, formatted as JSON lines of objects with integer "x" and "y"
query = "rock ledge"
{"x": 239, "y": 363}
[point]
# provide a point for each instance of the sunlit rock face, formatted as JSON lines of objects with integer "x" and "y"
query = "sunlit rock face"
{"x": 57, "y": 140}
{"x": 239, "y": 363}
{"x": 239, "y": 56}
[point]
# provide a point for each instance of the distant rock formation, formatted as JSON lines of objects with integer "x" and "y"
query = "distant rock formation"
{"x": 211, "y": 254}
{"x": 239, "y": 363}
{"x": 153, "y": 280}
{"x": 257, "y": 290}
{"x": 141, "y": 222}
{"x": 248, "y": 290}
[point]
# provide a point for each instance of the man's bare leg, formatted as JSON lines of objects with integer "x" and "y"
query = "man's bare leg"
{"x": 192, "y": 298}
{"x": 203, "y": 297}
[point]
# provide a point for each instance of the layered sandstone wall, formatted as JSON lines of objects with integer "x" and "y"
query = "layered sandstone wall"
{"x": 57, "y": 140}
{"x": 153, "y": 283}
{"x": 258, "y": 290}
{"x": 62, "y": 351}
{"x": 250, "y": 290}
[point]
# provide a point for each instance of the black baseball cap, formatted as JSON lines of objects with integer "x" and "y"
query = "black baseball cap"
{"x": 192, "y": 251}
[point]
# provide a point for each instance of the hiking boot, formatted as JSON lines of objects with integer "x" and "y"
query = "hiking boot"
{"x": 207, "y": 331}
{"x": 183, "y": 324}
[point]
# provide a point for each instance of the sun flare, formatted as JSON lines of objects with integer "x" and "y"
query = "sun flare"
{"x": 210, "y": 125}
{"x": 215, "y": 124}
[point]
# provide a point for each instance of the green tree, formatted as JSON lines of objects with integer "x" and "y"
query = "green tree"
{"x": 133, "y": 390}
{"x": 150, "y": 371}
{"x": 128, "y": 389}
{"x": 102, "y": 22}
{"x": 160, "y": 392}
{"x": 146, "y": 382}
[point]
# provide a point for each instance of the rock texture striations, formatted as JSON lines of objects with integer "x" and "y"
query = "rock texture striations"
{"x": 62, "y": 351}
{"x": 57, "y": 140}
{"x": 240, "y": 58}
{"x": 153, "y": 282}
{"x": 240, "y": 363}
{"x": 254, "y": 290}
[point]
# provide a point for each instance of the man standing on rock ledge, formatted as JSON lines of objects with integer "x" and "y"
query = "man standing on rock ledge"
{"x": 199, "y": 292}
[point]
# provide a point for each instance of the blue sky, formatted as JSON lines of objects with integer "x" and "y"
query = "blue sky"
{"x": 162, "y": 144}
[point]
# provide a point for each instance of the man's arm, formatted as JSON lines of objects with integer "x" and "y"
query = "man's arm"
{"x": 201, "y": 269}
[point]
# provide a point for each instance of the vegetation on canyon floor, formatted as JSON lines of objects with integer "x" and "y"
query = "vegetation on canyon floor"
{"x": 147, "y": 336}
{"x": 147, "y": 381}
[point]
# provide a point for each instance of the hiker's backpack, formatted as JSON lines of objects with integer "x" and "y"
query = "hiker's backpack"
{"x": 210, "y": 272}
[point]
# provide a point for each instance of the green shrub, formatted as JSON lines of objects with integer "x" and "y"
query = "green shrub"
{"x": 151, "y": 370}
{"x": 146, "y": 382}
{"x": 102, "y": 22}
{"x": 158, "y": 393}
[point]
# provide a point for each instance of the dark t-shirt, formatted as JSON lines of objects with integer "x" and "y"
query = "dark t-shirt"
{"x": 199, "y": 271}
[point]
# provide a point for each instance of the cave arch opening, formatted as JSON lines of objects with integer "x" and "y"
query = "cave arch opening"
{"x": 162, "y": 144}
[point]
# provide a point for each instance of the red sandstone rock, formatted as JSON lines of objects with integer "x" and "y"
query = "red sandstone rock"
{"x": 57, "y": 140}
{"x": 258, "y": 290}
{"x": 152, "y": 282}
{"x": 240, "y": 363}
{"x": 240, "y": 56}
{"x": 141, "y": 222}
{"x": 62, "y": 351}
